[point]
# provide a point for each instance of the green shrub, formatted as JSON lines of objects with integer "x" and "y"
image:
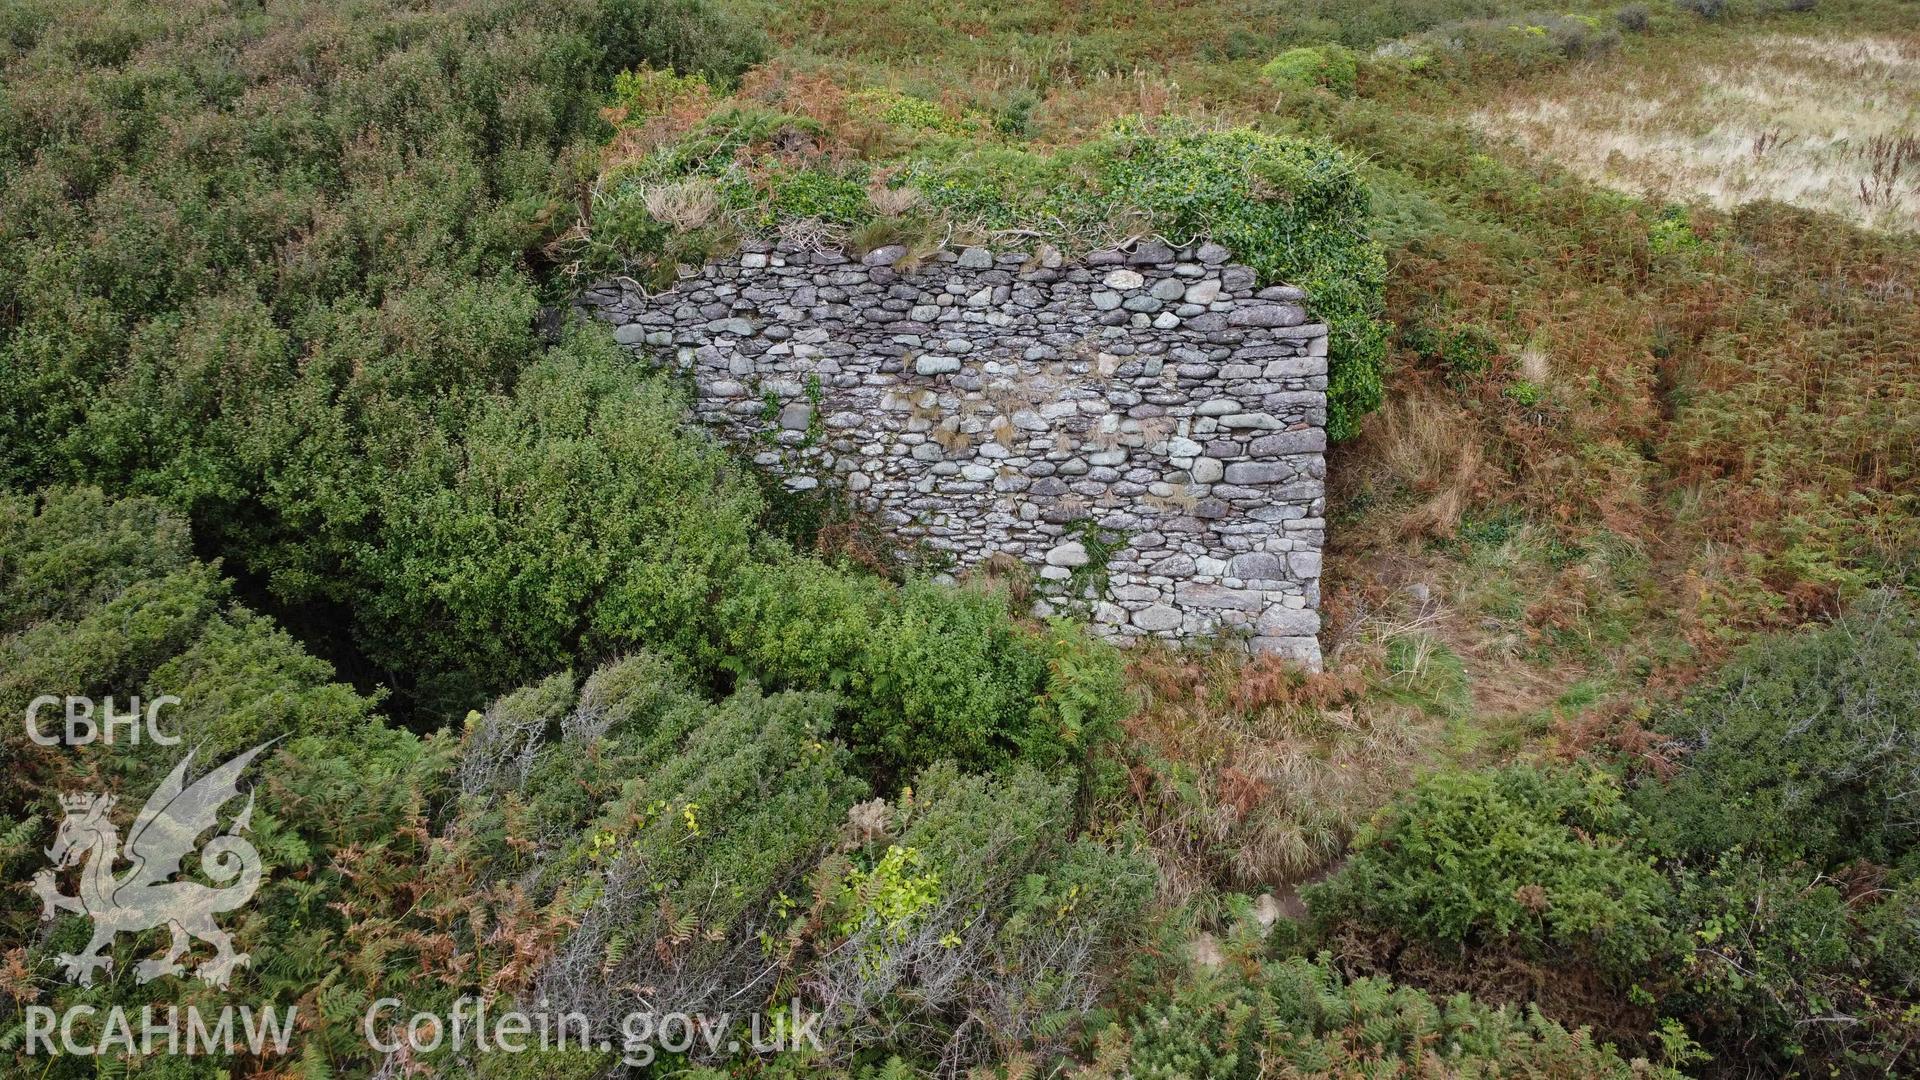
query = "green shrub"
{"x": 103, "y": 597}
{"x": 1518, "y": 43}
{"x": 1331, "y": 66}
{"x": 688, "y": 36}
{"x": 647, "y": 91}
{"x": 574, "y": 518}
{"x": 1542, "y": 863}
{"x": 1301, "y": 1017}
{"x": 1468, "y": 351}
{"x": 970, "y": 925}
{"x": 257, "y": 289}
{"x": 710, "y": 813}
{"x": 1524, "y": 392}
{"x": 1633, "y": 17}
{"x": 1295, "y": 211}
{"x": 1797, "y": 973}
{"x": 1803, "y": 747}
{"x": 1706, "y": 9}
{"x": 928, "y": 671}
{"x": 811, "y": 193}
{"x": 906, "y": 111}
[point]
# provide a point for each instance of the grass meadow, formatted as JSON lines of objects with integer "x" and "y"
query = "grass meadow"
{"x": 1824, "y": 122}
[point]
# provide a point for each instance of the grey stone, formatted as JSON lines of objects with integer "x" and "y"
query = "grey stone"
{"x": 1250, "y": 420}
{"x": 1296, "y": 367}
{"x": 1201, "y": 595}
{"x": 1266, "y": 315}
{"x": 1304, "y": 441}
{"x": 1257, "y": 564}
{"x": 1289, "y": 622}
{"x": 1168, "y": 289}
{"x": 1150, "y": 253}
{"x": 1070, "y": 554}
{"x": 1257, "y": 472}
{"x": 796, "y": 417}
{"x": 1158, "y": 618}
{"x": 1175, "y": 406}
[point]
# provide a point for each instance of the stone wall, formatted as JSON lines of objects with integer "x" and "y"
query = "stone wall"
{"x": 1151, "y": 399}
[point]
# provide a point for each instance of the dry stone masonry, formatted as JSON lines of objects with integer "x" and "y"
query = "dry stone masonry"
{"x": 1145, "y": 426}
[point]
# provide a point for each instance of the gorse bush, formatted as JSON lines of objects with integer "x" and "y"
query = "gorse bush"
{"x": 1804, "y": 747}
{"x": 101, "y": 597}
{"x": 686, "y": 36}
{"x": 1706, "y": 9}
{"x": 673, "y": 881}
{"x": 1798, "y": 972}
{"x": 1546, "y": 863}
{"x": 1304, "y": 1018}
{"x": 1790, "y": 803}
{"x": 969, "y": 925}
{"x": 641, "y": 840}
{"x": 573, "y": 516}
{"x": 286, "y": 261}
{"x": 929, "y": 672}
{"x": 1513, "y": 44}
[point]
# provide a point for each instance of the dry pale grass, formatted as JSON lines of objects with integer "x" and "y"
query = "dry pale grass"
{"x": 1249, "y": 774}
{"x": 683, "y": 205}
{"x": 1828, "y": 124}
{"x": 1425, "y": 446}
{"x": 892, "y": 202}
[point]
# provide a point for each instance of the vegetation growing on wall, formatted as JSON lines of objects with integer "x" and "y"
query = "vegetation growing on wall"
{"x": 690, "y": 175}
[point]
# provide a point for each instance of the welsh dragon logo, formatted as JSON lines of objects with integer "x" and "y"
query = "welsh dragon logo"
{"x": 144, "y": 897}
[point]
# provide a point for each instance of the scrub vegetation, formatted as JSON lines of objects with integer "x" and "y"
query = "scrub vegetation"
{"x": 1611, "y": 769}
